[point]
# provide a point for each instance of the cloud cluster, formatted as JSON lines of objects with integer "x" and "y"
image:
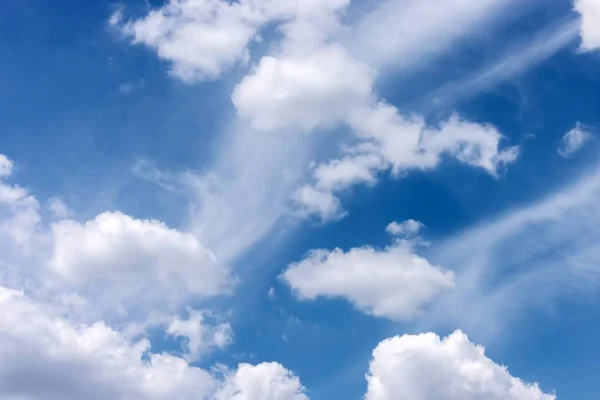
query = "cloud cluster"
{"x": 44, "y": 355}
{"x": 55, "y": 341}
{"x": 311, "y": 80}
{"x": 425, "y": 367}
{"x": 203, "y": 38}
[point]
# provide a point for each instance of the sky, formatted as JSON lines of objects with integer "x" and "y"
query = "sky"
{"x": 293, "y": 200}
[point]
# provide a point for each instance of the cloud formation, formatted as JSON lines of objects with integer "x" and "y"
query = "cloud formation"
{"x": 573, "y": 140}
{"x": 393, "y": 283}
{"x": 590, "y": 23}
{"x": 425, "y": 367}
{"x": 199, "y": 337}
{"x": 19, "y": 210}
{"x": 407, "y": 228}
{"x": 267, "y": 381}
{"x": 134, "y": 263}
{"x": 311, "y": 80}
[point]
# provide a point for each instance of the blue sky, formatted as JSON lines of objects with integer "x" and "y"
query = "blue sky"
{"x": 291, "y": 200}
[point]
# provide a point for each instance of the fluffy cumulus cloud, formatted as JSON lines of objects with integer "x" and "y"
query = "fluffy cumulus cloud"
{"x": 394, "y": 282}
{"x": 200, "y": 38}
{"x": 314, "y": 202}
{"x": 303, "y": 90}
{"x": 266, "y": 381}
{"x": 131, "y": 262}
{"x": 19, "y": 210}
{"x": 590, "y": 23}
{"x": 407, "y": 228}
{"x": 573, "y": 140}
{"x": 199, "y": 337}
{"x": 425, "y": 367}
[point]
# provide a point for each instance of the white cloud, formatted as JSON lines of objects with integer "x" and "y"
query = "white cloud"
{"x": 19, "y": 210}
{"x": 590, "y": 23}
{"x": 125, "y": 87}
{"x": 573, "y": 140}
{"x": 518, "y": 59}
{"x": 266, "y": 381}
{"x": 6, "y": 166}
{"x": 315, "y": 202}
{"x": 308, "y": 81}
{"x": 203, "y": 38}
{"x": 200, "y": 38}
{"x": 58, "y": 208}
{"x": 314, "y": 83}
{"x": 134, "y": 263}
{"x": 408, "y": 33}
{"x": 303, "y": 90}
{"x": 250, "y": 181}
{"x": 407, "y": 228}
{"x": 200, "y": 337}
{"x": 392, "y": 142}
{"x": 425, "y": 367}
{"x": 45, "y": 356}
{"x": 394, "y": 282}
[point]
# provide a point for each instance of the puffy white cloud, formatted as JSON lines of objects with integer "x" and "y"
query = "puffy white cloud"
{"x": 590, "y": 23}
{"x": 425, "y": 367}
{"x": 394, "y": 282}
{"x": 6, "y": 166}
{"x": 266, "y": 381}
{"x": 314, "y": 202}
{"x": 134, "y": 263}
{"x": 200, "y": 337}
{"x": 303, "y": 90}
{"x": 200, "y": 38}
{"x": 19, "y": 210}
{"x": 409, "y": 228}
{"x": 339, "y": 174}
{"x": 573, "y": 140}
{"x": 392, "y": 142}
